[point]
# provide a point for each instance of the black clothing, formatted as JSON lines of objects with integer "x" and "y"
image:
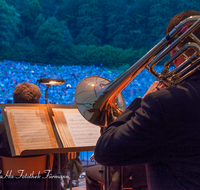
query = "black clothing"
{"x": 4, "y": 145}
{"x": 95, "y": 177}
{"x": 162, "y": 130}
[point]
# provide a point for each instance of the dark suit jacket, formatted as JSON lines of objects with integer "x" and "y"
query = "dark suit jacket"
{"x": 162, "y": 130}
{"x": 4, "y": 146}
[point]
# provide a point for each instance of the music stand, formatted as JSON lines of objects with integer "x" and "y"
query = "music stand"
{"x": 49, "y": 82}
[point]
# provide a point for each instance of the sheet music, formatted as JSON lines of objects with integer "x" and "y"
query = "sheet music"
{"x": 81, "y": 131}
{"x": 30, "y": 128}
{"x": 63, "y": 131}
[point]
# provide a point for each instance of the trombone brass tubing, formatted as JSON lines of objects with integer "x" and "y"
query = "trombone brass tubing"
{"x": 97, "y": 108}
{"x": 123, "y": 80}
{"x": 160, "y": 56}
{"x": 172, "y": 78}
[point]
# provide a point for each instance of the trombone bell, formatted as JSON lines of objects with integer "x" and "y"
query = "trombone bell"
{"x": 87, "y": 93}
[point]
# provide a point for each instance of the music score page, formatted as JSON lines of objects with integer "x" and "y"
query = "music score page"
{"x": 30, "y": 128}
{"x": 74, "y": 129}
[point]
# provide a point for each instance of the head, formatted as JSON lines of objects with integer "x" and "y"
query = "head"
{"x": 26, "y": 93}
{"x": 175, "y": 21}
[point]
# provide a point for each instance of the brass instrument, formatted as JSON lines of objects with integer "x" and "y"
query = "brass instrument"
{"x": 98, "y": 99}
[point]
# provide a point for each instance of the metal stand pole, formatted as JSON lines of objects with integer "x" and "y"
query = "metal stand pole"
{"x": 58, "y": 155}
{"x": 107, "y": 177}
{"x": 58, "y": 172}
{"x": 71, "y": 169}
{"x": 46, "y": 94}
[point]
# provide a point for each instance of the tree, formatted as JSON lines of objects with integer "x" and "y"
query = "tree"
{"x": 52, "y": 37}
{"x": 28, "y": 10}
{"x": 89, "y": 23}
{"x": 9, "y": 21}
{"x": 51, "y": 7}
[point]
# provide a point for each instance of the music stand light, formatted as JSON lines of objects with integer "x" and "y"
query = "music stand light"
{"x": 49, "y": 82}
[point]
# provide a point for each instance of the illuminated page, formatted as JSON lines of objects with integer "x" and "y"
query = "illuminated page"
{"x": 76, "y": 129}
{"x": 30, "y": 128}
{"x": 61, "y": 126}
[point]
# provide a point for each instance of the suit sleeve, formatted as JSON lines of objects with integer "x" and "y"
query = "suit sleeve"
{"x": 4, "y": 145}
{"x": 134, "y": 137}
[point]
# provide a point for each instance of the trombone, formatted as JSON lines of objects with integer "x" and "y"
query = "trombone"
{"x": 99, "y": 100}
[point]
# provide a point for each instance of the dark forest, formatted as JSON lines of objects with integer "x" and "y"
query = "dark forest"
{"x": 84, "y": 32}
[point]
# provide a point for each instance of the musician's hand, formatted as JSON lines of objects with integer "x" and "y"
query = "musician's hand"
{"x": 154, "y": 87}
